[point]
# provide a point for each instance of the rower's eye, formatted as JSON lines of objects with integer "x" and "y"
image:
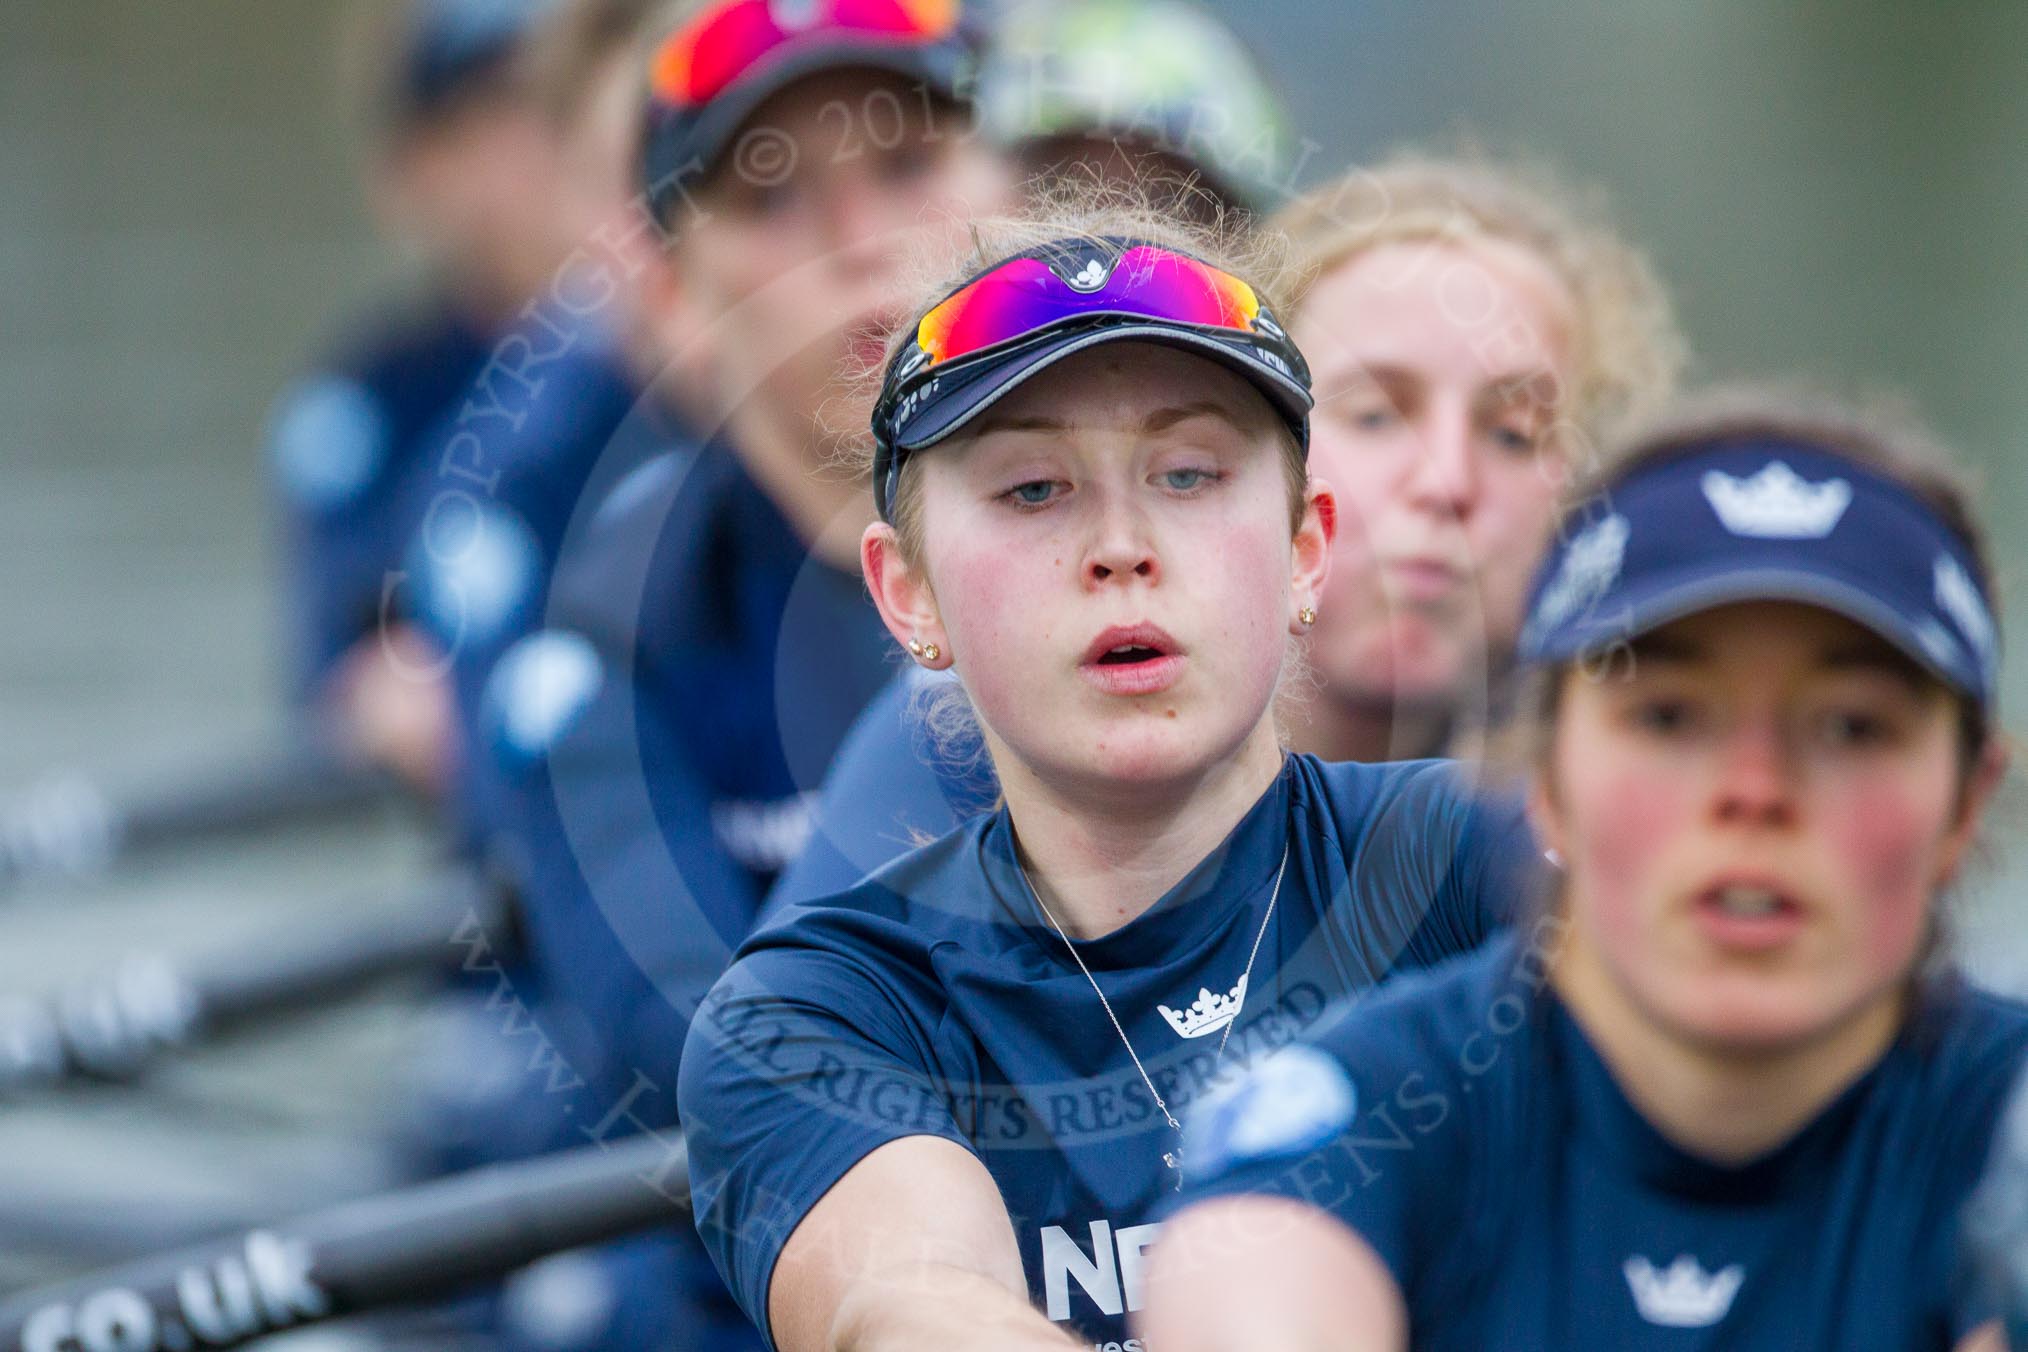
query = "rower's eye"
{"x": 1187, "y": 480}
{"x": 1034, "y": 493}
{"x": 1665, "y": 715}
{"x": 1855, "y": 728}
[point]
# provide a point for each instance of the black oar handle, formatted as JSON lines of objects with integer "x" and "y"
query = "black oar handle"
{"x": 360, "y": 1256}
{"x": 111, "y": 1026}
{"x": 68, "y": 827}
{"x": 298, "y": 780}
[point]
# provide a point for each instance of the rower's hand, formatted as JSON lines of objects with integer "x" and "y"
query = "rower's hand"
{"x": 392, "y": 695}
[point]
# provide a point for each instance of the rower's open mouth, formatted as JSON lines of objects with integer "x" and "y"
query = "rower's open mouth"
{"x": 1128, "y": 644}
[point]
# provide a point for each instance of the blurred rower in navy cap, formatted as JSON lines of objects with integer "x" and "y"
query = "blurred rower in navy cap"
{"x": 709, "y": 639}
{"x": 559, "y": 412}
{"x": 648, "y": 752}
{"x": 463, "y": 170}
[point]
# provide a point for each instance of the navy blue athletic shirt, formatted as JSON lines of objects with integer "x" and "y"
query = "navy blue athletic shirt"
{"x": 347, "y": 445}
{"x": 1463, "y": 1124}
{"x": 892, "y": 787}
{"x": 934, "y": 999}
{"x": 507, "y": 476}
{"x": 655, "y": 746}
{"x": 650, "y": 754}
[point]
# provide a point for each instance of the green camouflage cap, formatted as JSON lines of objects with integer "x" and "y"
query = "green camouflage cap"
{"x": 1166, "y": 75}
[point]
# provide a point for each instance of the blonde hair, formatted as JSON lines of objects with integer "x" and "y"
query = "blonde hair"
{"x": 1099, "y": 215}
{"x": 1626, "y": 349}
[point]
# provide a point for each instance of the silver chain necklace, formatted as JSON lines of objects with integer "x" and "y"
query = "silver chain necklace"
{"x": 1173, "y": 1159}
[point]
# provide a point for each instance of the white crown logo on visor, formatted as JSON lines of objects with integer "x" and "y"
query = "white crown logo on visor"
{"x": 1090, "y": 277}
{"x": 793, "y": 16}
{"x": 1591, "y": 565}
{"x": 1777, "y": 503}
{"x": 1958, "y": 598}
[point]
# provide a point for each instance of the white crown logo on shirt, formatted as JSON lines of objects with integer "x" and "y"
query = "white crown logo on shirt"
{"x": 1777, "y": 503}
{"x": 1684, "y": 1295}
{"x": 1208, "y": 1013}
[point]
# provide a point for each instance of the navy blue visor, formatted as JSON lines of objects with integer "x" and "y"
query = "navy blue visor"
{"x": 1765, "y": 521}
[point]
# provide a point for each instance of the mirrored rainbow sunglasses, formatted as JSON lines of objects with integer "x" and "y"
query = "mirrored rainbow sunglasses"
{"x": 1024, "y": 314}
{"x": 1025, "y": 294}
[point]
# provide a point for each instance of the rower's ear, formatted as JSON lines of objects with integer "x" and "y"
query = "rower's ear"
{"x": 1310, "y": 555}
{"x": 1545, "y": 809}
{"x": 1543, "y": 816}
{"x": 902, "y": 594}
{"x": 1981, "y": 783}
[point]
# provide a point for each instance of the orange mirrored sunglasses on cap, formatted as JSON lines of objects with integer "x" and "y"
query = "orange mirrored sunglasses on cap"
{"x": 713, "y": 51}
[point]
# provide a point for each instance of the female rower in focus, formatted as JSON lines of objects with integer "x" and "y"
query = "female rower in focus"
{"x": 942, "y": 1108}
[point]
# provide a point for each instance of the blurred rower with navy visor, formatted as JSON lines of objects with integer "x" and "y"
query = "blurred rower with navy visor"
{"x": 1729, "y": 1089}
{"x": 572, "y": 399}
{"x": 377, "y": 449}
{"x": 706, "y": 640}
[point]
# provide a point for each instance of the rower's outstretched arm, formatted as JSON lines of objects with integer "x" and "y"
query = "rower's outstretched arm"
{"x": 911, "y": 1248}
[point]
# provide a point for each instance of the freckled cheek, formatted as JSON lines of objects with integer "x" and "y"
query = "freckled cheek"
{"x": 1622, "y": 829}
{"x": 1520, "y": 519}
{"x": 999, "y": 606}
{"x": 1880, "y": 844}
{"x": 1355, "y": 571}
{"x": 1516, "y": 531}
{"x": 973, "y": 593}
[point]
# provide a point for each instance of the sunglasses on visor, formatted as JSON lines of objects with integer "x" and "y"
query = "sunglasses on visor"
{"x": 1023, "y": 315}
{"x": 713, "y": 51}
{"x": 1023, "y": 295}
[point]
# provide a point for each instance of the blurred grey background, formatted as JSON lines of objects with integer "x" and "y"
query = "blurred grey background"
{"x": 1835, "y": 190}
